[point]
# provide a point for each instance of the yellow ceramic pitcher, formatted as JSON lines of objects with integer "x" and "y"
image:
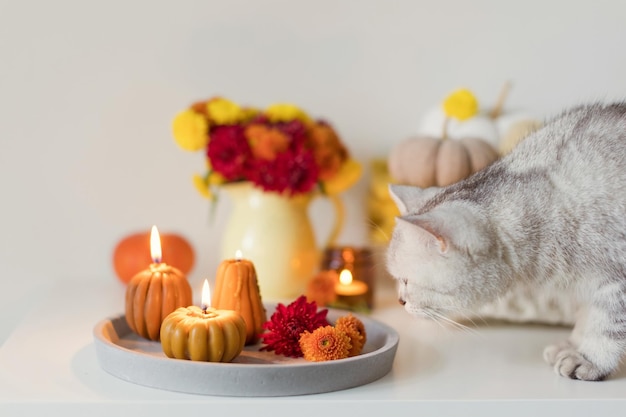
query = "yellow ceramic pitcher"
{"x": 274, "y": 231}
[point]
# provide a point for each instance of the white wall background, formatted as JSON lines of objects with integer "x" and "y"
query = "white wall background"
{"x": 88, "y": 90}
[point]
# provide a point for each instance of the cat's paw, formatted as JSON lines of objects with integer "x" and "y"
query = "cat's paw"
{"x": 551, "y": 352}
{"x": 570, "y": 363}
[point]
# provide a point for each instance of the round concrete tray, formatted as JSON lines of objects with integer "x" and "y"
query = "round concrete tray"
{"x": 253, "y": 373}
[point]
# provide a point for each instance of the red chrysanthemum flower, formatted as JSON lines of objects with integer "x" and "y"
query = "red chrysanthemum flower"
{"x": 292, "y": 172}
{"x": 296, "y": 130}
{"x": 229, "y": 152}
{"x": 288, "y": 323}
{"x": 303, "y": 172}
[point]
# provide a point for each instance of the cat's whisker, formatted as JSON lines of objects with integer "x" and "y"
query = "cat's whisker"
{"x": 480, "y": 318}
{"x": 438, "y": 318}
{"x": 474, "y": 315}
{"x": 433, "y": 317}
{"x": 456, "y": 324}
{"x": 468, "y": 317}
{"x": 464, "y": 328}
{"x": 378, "y": 228}
{"x": 467, "y": 314}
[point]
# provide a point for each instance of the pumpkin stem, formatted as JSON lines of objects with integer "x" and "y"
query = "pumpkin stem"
{"x": 499, "y": 106}
{"x": 444, "y": 132}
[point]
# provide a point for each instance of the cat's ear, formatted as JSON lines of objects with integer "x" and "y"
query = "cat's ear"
{"x": 423, "y": 230}
{"x": 452, "y": 226}
{"x": 461, "y": 226}
{"x": 409, "y": 198}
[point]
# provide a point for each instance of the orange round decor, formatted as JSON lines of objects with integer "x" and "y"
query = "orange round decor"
{"x": 132, "y": 254}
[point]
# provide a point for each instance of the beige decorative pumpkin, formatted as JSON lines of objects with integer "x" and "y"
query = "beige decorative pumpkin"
{"x": 151, "y": 295}
{"x": 237, "y": 288}
{"x": 428, "y": 161}
{"x": 209, "y": 335}
{"x": 516, "y": 132}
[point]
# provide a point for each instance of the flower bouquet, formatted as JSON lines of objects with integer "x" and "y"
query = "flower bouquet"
{"x": 271, "y": 163}
{"x": 280, "y": 149}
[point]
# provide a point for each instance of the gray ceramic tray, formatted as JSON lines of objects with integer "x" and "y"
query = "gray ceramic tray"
{"x": 253, "y": 373}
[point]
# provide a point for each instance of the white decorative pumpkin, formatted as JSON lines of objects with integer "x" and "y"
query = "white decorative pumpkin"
{"x": 503, "y": 132}
{"x": 479, "y": 126}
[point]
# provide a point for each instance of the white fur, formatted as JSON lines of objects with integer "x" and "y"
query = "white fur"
{"x": 550, "y": 215}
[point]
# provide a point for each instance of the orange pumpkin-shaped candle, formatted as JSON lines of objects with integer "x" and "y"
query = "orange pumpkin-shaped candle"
{"x": 237, "y": 288}
{"x": 203, "y": 334}
{"x": 154, "y": 293}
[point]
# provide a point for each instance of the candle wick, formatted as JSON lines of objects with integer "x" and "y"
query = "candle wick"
{"x": 156, "y": 260}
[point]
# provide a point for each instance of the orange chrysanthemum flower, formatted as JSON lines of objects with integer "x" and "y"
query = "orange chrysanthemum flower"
{"x": 200, "y": 107}
{"x": 355, "y": 330}
{"x": 266, "y": 142}
{"x": 325, "y": 344}
{"x": 329, "y": 152}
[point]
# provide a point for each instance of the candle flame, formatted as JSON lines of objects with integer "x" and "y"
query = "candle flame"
{"x": 238, "y": 255}
{"x": 345, "y": 277}
{"x": 155, "y": 245}
{"x": 206, "y": 295}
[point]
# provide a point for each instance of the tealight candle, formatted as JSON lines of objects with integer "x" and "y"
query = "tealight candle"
{"x": 237, "y": 288}
{"x": 359, "y": 261}
{"x": 154, "y": 293}
{"x": 350, "y": 292}
{"x": 203, "y": 333}
{"x": 321, "y": 288}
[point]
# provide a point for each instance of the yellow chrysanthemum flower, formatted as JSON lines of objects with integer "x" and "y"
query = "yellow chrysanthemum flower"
{"x": 222, "y": 111}
{"x": 201, "y": 184}
{"x": 348, "y": 175}
{"x": 249, "y": 113}
{"x": 461, "y": 104}
{"x": 190, "y": 130}
{"x": 215, "y": 178}
{"x": 284, "y": 112}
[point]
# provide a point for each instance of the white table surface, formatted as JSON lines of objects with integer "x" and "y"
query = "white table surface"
{"x": 48, "y": 366}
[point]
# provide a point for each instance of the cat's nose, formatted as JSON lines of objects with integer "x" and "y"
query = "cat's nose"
{"x": 401, "y": 301}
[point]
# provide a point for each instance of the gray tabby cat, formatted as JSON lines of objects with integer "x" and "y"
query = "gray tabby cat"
{"x": 551, "y": 212}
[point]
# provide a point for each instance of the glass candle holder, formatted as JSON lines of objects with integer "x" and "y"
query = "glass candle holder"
{"x": 358, "y": 260}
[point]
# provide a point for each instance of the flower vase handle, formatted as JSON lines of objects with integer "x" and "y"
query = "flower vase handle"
{"x": 340, "y": 214}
